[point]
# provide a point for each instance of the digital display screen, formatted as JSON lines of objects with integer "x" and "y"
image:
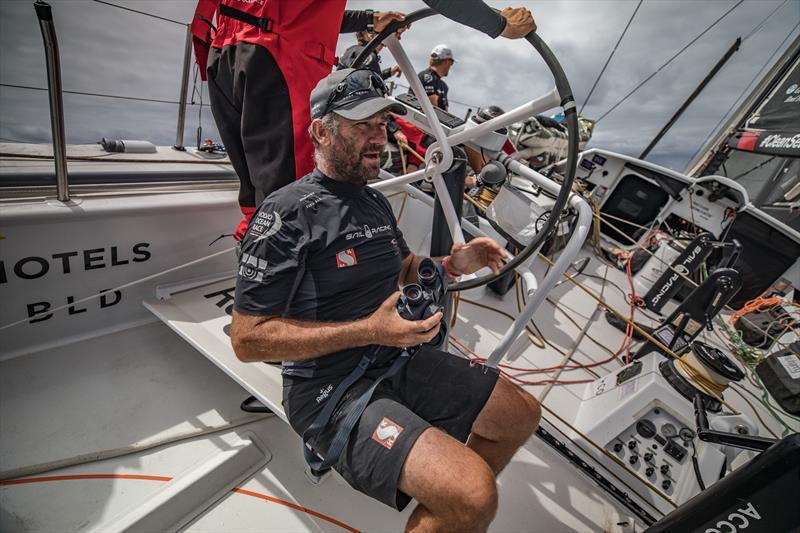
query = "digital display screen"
{"x": 585, "y": 163}
{"x": 599, "y": 159}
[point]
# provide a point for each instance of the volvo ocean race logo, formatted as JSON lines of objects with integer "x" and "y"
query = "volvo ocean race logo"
{"x": 265, "y": 225}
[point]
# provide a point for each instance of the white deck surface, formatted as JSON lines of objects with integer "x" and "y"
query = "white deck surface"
{"x": 105, "y": 404}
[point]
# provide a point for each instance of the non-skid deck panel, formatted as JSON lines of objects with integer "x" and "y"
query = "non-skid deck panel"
{"x": 200, "y": 316}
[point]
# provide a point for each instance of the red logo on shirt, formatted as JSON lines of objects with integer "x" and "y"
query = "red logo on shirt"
{"x": 346, "y": 258}
{"x": 386, "y": 433}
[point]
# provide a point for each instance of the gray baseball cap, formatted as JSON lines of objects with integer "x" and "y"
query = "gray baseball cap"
{"x": 354, "y": 94}
{"x": 442, "y": 51}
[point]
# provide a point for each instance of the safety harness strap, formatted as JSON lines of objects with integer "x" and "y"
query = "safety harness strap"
{"x": 259, "y": 22}
{"x": 319, "y": 464}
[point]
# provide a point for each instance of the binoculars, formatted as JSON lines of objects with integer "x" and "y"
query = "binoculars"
{"x": 423, "y": 300}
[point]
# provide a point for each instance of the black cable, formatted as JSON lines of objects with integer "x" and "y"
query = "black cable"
{"x": 696, "y": 466}
{"x": 602, "y": 70}
{"x": 397, "y": 84}
{"x": 141, "y": 12}
{"x": 761, "y": 24}
{"x": 670, "y": 60}
{"x": 118, "y": 97}
{"x": 748, "y": 171}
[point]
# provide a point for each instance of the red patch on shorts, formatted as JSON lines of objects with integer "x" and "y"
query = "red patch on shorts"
{"x": 386, "y": 433}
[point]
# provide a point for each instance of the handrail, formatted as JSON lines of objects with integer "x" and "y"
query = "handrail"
{"x": 571, "y": 250}
{"x": 187, "y": 65}
{"x": 45, "y": 14}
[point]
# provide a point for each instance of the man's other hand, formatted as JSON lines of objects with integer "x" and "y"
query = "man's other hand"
{"x": 395, "y": 71}
{"x": 519, "y": 22}
{"x": 400, "y": 138}
{"x": 388, "y": 328}
{"x": 476, "y": 254}
{"x": 381, "y": 19}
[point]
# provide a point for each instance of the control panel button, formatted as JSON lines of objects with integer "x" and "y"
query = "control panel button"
{"x": 646, "y": 428}
{"x": 633, "y": 459}
{"x": 668, "y": 430}
{"x": 649, "y": 471}
{"x": 676, "y": 451}
{"x": 686, "y": 434}
{"x": 666, "y": 484}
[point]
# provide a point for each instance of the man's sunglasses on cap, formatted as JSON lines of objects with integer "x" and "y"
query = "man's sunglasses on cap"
{"x": 358, "y": 85}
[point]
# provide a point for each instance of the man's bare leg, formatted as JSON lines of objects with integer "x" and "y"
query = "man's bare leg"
{"x": 454, "y": 486}
{"x": 505, "y": 423}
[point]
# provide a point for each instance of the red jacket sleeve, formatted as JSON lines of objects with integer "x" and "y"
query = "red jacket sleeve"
{"x": 202, "y": 32}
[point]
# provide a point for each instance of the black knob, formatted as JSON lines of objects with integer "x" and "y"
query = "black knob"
{"x": 646, "y": 428}
{"x": 650, "y": 471}
{"x": 632, "y": 445}
{"x": 634, "y": 459}
{"x": 648, "y": 456}
{"x": 617, "y": 447}
{"x": 665, "y": 469}
{"x": 666, "y": 484}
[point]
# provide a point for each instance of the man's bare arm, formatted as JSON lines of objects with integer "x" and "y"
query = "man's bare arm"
{"x": 265, "y": 338}
{"x": 434, "y": 98}
{"x": 269, "y": 338}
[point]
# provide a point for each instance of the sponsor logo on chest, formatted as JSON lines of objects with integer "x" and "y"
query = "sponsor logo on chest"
{"x": 367, "y": 232}
{"x": 346, "y": 258}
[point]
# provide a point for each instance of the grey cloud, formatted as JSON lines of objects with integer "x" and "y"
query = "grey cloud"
{"x": 106, "y": 50}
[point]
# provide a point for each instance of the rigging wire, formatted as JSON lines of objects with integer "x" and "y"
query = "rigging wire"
{"x": 743, "y": 93}
{"x": 101, "y": 95}
{"x": 761, "y": 24}
{"x": 602, "y": 70}
{"x": 670, "y": 60}
{"x": 141, "y": 12}
{"x": 465, "y": 104}
{"x": 749, "y": 170}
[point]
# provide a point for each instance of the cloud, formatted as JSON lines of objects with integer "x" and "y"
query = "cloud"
{"x": 107, "y": 50}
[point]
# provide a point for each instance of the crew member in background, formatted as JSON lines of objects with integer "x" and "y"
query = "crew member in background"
{"x": 373, "y": 62}
{"x": 265, "y": 57}
{"x": 440, "y": 63}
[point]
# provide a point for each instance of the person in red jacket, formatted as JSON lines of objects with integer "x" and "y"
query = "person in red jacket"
{"x": 263, "y": 58}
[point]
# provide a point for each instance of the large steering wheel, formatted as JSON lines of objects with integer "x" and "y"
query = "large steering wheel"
{"x": 567, "y": 103}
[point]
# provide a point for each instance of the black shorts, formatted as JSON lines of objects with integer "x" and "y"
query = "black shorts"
{"x": 435, "y": 388}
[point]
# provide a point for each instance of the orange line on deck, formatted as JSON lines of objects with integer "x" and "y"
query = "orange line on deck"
{"x": 297, "y": 507}
{"x": 272, "y": 499}
{"x": 27, "y": 480}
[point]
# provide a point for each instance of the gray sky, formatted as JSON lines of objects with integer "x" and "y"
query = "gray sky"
{"x": 110, "y": 51}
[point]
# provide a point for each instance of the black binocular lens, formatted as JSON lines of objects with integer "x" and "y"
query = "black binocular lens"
{"x": 427, "y": 272}
{"x": 413, "y": 293}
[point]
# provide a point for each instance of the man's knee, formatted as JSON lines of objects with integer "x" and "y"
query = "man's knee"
{"x": 476, "y": 500}
{"x": 527, "y": 411}
{"x": 533, "y": 408}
